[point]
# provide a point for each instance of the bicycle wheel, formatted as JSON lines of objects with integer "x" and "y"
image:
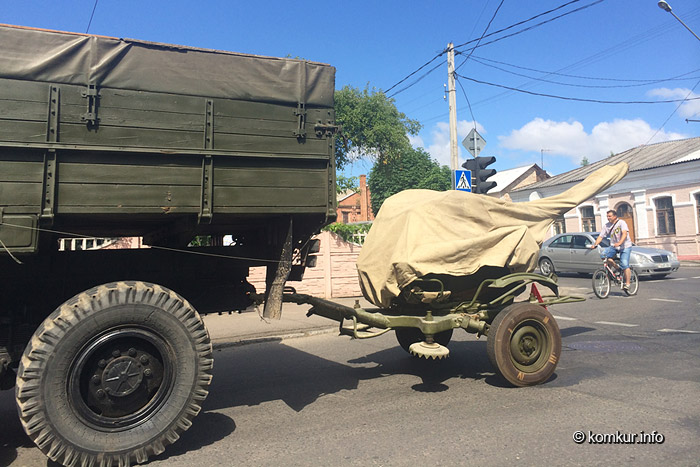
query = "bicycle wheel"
{"x": 601, "y": 283}
{"x": 634, "y": 283}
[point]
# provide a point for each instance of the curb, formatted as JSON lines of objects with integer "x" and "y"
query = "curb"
{"x": 224, "y": 343}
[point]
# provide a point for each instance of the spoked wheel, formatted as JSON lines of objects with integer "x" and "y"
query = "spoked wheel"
{"x": 634, "y": 283}
{"x": 601, "y": 283}
{"x": 114, "y": 375}
{"x": 524, "y": 344}
{"x": 408, "y": 336}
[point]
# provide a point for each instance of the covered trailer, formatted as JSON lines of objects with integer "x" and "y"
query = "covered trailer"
{"x": 104, "y": 138}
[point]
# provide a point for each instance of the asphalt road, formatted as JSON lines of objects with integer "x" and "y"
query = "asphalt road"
{"x": 629, "y": 371}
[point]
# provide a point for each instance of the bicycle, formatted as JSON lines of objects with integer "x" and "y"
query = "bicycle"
{"x": 605, "y": 276}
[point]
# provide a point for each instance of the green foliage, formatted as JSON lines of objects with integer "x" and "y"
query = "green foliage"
{"x": 346, "y": 231}
{"x": 371, "y": 126}
{"x": 584, "y": 161}
{"x": 414, "y": 169}
{"x": 344, "y": 184}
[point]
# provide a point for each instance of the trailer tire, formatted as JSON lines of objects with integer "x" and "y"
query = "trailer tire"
{"x": 408, "y": 336}
{"x": 114, "y": 375}
{"x": 524, "y": 344}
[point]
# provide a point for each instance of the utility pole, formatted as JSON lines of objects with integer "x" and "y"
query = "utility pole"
{"x": 454, "y": 154}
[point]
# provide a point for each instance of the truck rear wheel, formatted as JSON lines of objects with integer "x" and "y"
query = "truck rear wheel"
{"x": 114, "y": 375}
{"x": 524, "y": 344}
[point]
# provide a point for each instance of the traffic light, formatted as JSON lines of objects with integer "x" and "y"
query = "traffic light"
{"x": 480, "y": 173}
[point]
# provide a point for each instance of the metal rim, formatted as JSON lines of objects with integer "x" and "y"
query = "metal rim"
{"x": 601, "y": 283}
{"x": 546, "y": 266}
{"x": 530, "y": 345}
{"x": 130, "y": 364}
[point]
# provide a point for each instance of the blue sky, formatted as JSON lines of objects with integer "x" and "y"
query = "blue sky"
{"x": 610, "y": 50}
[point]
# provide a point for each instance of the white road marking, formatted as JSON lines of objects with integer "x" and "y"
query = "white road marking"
{"x": 611, "y": 323}
{"x": 685, "y": 331}
{"x": 678, "y": 279}
{"x": 696, "y": 277}
{"x": 665, "y": 300}
{"x": 564, "y": 318}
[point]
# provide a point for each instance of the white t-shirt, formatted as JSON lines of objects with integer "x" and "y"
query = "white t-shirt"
{"x": 615, "y": 229}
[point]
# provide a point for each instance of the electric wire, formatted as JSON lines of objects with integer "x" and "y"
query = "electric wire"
{"x": 577, "y": 99}
{"x": 91, "y": 16}
{"x": 474, "y": 40}
{"x": 578, "y": 85}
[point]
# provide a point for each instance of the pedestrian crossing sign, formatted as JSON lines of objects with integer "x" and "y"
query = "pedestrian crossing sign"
{"x": 463, "y": 180}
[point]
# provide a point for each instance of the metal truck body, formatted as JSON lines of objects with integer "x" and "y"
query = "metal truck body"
{"x": 102, "y": 138}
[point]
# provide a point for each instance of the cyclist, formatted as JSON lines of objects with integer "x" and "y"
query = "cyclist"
{"x": 620, "y": 242}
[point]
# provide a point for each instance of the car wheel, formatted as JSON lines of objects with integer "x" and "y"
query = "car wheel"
{"x": 546, "y": 266}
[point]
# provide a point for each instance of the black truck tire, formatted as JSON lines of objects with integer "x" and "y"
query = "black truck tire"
{"x": 524, "y": 344}
{"x": 114, "y": 375}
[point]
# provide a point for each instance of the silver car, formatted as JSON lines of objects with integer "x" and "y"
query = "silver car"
{"x": 570, "y": 252}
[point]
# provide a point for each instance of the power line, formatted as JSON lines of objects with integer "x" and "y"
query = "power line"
{"x": 542, "y": 23}
{"x": 91, "y": 16}
{"x": 521, "y": 22}
{"x": 578, "y": 99}
{"x": 486, "y": 35}
{"x": 620, "y": 80}
{"x": 534, "y": 78}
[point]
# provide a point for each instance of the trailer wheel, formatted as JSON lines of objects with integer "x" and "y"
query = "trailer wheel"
{"x": 524, "y": 344}
{"x": 114, "y": 375}
{"x": 408, "y": 336}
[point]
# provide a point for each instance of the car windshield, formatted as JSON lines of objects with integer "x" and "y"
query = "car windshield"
{"x": 605, "y": 242}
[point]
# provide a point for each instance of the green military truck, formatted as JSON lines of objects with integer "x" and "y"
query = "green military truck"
{"x": 105, "y": 138}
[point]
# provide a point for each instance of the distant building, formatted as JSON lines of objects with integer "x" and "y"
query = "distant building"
{"x": 659, "y": 198}
{"x": 355, "y": 206}
{"x": 511, "y": 179}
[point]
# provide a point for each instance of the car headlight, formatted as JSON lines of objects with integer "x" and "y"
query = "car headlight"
{"x": 642, "y": 259}
{"x": 673, "y": 257}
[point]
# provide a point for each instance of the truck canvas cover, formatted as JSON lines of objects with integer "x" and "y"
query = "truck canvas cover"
{"x": 68, "y": 58}
{"x": 423, "y": 232}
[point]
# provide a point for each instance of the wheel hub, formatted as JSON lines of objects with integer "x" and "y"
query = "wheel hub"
{"x": 122, "y": 376}
{"x": 525, "y": 345}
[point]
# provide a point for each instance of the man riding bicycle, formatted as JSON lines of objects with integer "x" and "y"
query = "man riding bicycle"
{"x": 620, "y": 242}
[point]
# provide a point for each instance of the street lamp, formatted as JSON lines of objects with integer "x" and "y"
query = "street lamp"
{"x": 666, "y": 7}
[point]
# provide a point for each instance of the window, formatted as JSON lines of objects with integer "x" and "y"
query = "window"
{"x": 562, "y": 242}
{"x": 559, "y": 225}
{"x": 665, "y": 220}
{"x": 588, "y": 219}
{"x": 581, "y": 242}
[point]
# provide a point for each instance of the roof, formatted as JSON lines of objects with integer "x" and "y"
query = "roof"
{"x": 504, "y": 178}
{"x": 643, "y": 157}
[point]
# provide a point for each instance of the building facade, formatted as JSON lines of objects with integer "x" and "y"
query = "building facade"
{"x": 659, "y": 198}
{"x": 356, "y": 206}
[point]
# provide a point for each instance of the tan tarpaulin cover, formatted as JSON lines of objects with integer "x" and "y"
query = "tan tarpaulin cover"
{"x": 420, "y": 232}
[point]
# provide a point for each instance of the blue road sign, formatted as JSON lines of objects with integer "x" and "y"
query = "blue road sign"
{"x": 463, "y": 180}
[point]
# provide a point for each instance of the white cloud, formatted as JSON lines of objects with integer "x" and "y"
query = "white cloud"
{"x": 570, "y": 139}
{"x": 687, "y": 109}
{"x": 439, "y": 147}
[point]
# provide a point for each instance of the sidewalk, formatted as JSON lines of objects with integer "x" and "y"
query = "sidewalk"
{"x": 227, "y": 330}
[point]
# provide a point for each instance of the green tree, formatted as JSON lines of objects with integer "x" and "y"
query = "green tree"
{"x": 344, "y": 184}
{"x": 371, "y": 126}
{"x": 584, "y": 161}
{"x": 414, "y": 169}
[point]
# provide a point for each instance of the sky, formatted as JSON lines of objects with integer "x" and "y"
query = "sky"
{"x": 583, "y": 81}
